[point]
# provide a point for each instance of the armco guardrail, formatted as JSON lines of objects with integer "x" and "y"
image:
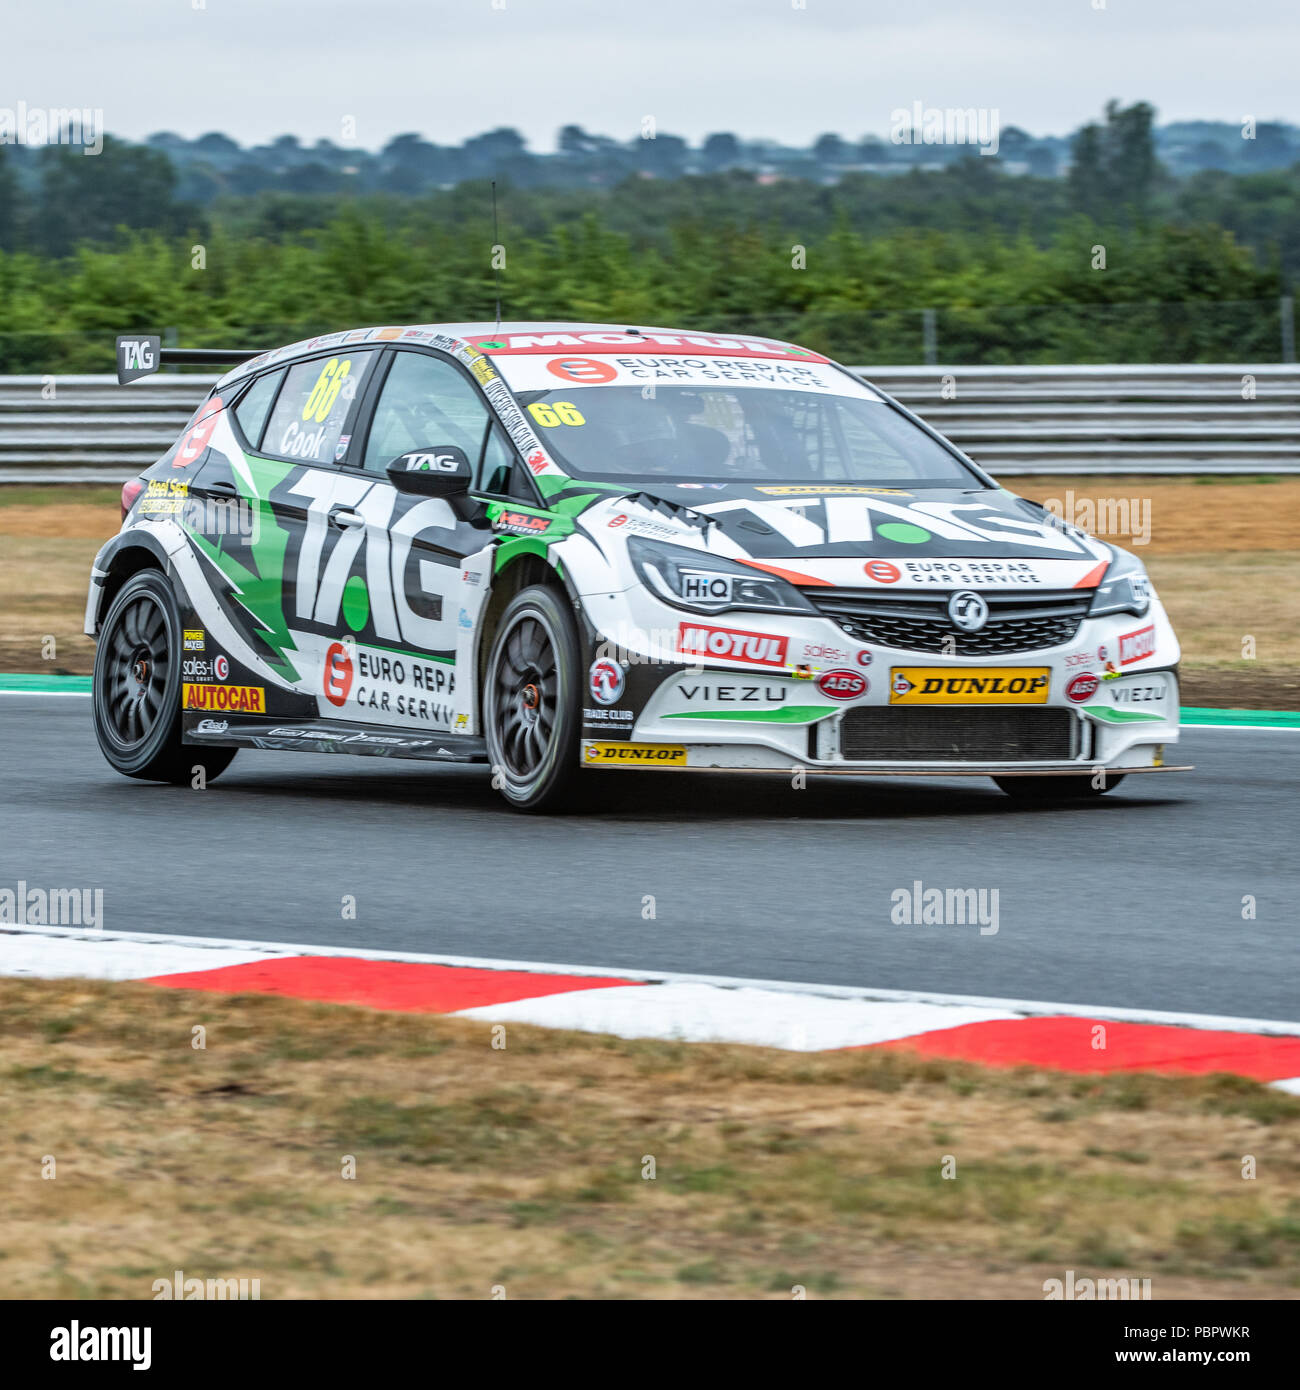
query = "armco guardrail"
{"x": 1106, "y": 419}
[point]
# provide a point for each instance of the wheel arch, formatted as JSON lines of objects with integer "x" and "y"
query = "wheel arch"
{"x": 521, "y": 572}
{"x": 126, "y": 555}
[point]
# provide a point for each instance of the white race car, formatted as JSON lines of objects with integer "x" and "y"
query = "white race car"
{"x": 561, "y": 549}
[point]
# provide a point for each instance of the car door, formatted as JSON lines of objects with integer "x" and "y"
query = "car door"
{"x": 406, "y": 588}
{"x": 260, "y": 514}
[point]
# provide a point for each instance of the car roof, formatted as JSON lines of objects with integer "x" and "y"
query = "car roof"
{"x": 535, "y": 336}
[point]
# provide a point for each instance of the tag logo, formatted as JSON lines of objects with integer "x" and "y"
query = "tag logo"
{"x": 136, "y": 357}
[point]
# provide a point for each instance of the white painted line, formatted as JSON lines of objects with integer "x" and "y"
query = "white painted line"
{"x": 760, "y": 1018}
{"x": 57, "y": 694}
{"x": 1014, "y": 1007}
{"x": 59, "y": 958}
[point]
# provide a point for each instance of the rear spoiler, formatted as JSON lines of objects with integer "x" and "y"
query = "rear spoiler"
{"x": 142, "y": 356}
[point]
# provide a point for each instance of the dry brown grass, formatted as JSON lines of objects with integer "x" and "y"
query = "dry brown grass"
{"x": 523, "y": 1167}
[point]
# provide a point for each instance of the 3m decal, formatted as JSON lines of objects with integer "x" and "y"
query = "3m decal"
{"x": 636, "y": 754}
{"x": 993, "y": 685}
{"x": 1137, "y": 646}
{"x": 246, "y": 699}
{"x": 338, "y": 675}
{"x": 732, "y": 644}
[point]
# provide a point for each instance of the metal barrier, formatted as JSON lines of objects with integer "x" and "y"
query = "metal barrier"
{"x": 1011, "y": 420}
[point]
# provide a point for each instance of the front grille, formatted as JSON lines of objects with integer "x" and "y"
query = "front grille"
{"x": 919, "y": 622}
{"x": 948, "y": 734}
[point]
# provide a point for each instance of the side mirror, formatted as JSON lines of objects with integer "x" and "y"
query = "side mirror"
{"x": 440, "y": 471}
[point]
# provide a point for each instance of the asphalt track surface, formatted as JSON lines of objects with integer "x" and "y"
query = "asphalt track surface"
{"x": 1133, "y": 900}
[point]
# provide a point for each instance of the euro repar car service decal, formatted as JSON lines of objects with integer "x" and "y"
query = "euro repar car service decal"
{"x": 528, "y": 374}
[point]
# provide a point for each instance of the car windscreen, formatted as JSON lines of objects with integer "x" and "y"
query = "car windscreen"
{"x": 703, "y": 433}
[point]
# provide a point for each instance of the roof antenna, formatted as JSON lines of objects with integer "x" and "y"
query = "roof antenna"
{"x": 496, "y": 263}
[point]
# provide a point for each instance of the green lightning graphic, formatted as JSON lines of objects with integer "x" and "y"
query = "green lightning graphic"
{"x": 260, "y": 591}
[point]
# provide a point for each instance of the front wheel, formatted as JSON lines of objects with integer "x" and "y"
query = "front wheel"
{"x": 531, "y": 710}
{"x": 1055, "y": 788}
{"x": 137, "y": 688}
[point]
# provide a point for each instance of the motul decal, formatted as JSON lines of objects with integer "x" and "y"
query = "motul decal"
{"x": 732, "y": 644}
{"x": 1137, "y": 646}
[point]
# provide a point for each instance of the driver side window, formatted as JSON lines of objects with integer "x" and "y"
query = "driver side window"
{"x": 425, "y": 402}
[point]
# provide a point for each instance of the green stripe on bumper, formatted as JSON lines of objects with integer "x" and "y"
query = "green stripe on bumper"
{"x": 792, "y": 714}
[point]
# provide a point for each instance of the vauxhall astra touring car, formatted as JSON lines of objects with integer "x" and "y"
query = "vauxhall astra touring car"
{"x": 563, "y": 550}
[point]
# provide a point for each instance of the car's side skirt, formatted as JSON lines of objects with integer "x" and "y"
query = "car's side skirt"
{"x": 330, "y": 736}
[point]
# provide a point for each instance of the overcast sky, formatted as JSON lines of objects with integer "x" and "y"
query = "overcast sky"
{"x": 786, "y": 69}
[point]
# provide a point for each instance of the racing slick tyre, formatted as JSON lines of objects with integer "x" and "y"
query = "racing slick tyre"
{"x": 1054, "y": 788}
{"x": 531, "y": 706}
{"x": 137, "y": 687}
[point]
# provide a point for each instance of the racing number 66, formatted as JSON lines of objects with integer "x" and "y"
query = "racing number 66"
{"x": 325, "y": 392}
{"x": 557, "y": 413}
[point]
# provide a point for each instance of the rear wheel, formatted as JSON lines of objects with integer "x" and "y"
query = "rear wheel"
{"x": 137, "y": 685}
{"x": 1056, "y": 788}
{"x": 530, "y": 702}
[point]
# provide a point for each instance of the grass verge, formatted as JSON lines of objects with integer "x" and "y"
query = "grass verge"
{"x": 524, "y": 1165}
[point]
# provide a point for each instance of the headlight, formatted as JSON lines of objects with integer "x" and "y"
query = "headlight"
{"x": 1124, "y": 588}
{"x": 706, "y": 584}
